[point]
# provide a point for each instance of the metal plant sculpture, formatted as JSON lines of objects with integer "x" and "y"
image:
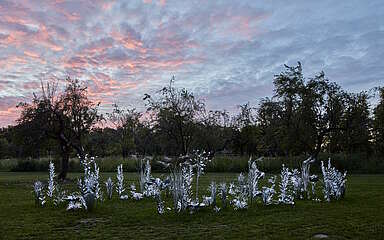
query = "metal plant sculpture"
{"x": 305, "y": 174}
{"x": 90, "y": 183}
{"x": 297, "y": 182}
{"x": 135, "y": 195}
{"x": 145, "y": 180}
{"x": 268, "y": 192}
{"x": 120, "y": 182}
{"x": 109, "y": 186}
{"x": 89, "y": 188}
{"x": 314, "y": 179}
{"x": 199, "y": 160}
{"x": 223, "y": 193}
{"x": 76, "y": 201}
{"x": 334, "y": 182}
{"x": 181, "y": 185}
{"x": 285, "y": 196}
{"x": 292, "y": 184}
{"x": 211, "y": 200}
{"x": 254, "y": 176}
{"x": 239, "y": 193}
{"x": 60, "y": 196}
{"x": 38, "y": 189}
{"x": 51, "y": 180}
{"x": 158, "y": 185}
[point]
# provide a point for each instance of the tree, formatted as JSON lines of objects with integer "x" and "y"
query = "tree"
{"x": 126, "y": 122}
{"x": 66, "y": 117}
{"x": 176, "y": 113}
{"x": 357, "y": 124}
{"x": 321, "y": 112}
{"x": 287, "y": 89}
{"x": 269, "y": 121}
{"x": 213, "y": 131}
{"x": 310, "y": 110}
{"x": 378, "y": 122}
{"x": 245, "y": 130}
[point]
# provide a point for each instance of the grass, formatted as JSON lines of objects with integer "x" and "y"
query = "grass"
{"x": 360, "y": 215}
{"x": 355, "y": 163}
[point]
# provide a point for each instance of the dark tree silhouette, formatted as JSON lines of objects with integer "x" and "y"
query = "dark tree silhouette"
{"x": 66, "y": 117}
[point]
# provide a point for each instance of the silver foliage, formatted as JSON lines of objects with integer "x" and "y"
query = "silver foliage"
{"x": 60, "y": 196}
{"x": 223, "y": 193}
{"x": 334, "y": 182}
{"x": 76, "y": 201}
{"x": 89, "y": 188}
{"x": 158, "y": 185}
{"x": 211, "y": 200}
{"x": 135, "y": 195}
{"x": 293, "y": 184}
{"x": 254, "y": 175}
{"x": 146, "y": 180}
{"x": 38, "y": 189}
{"x": 181, "y": 186}
{"x": 268, "y": 192}
{"x": 239, "y": 193}
{"x": 286, "y": 195}
{"x": 51, "y": 180}
{"x": 109, "y": 186}
{"x": 199, "y": 160}
{"x": 89, "y": 185}
{"x": 313, "y": 179}
{"x": 297, "y": 182}
{"x": 120, "y": 182}
{"x": 305, "y": 174}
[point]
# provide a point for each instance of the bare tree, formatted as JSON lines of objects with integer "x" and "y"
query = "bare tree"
{"x": 126, "y": 122}
{"x": 177, "y": 111}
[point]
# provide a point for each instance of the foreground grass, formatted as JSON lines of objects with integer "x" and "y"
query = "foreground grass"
{"x": 359, "y": 216}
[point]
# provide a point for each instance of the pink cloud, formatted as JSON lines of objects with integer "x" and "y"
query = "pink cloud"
{"x": 8, "y": 110}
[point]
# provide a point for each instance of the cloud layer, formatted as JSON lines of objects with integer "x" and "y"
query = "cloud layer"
{"x": 225, "y": 51}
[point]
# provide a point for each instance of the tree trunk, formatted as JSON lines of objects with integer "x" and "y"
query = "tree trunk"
{"x": 64, "y": 162}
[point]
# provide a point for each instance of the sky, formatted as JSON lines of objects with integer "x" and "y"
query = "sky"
{"x": 226, "y": 52}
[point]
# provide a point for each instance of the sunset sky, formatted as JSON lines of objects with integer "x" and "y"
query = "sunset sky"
{"x": 225, "y": 51}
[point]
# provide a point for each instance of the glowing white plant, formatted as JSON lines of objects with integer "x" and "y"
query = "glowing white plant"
{"x": 268, "y": 192}
{"x": 76, "y": 201}
{"x": 223, "y": 193}
{"x": 51, "y": 180}
{"x": 293, "y": 184}
{"x": 60, "y": 196}
{"x": 231, "y": 190}
{"x": 334, "y": 182}
{"x": 285, "y": 196}
{"x": 187, "y": 176}
{"x": 135, "y": 195}
{"x": 254, "y": 176}
{"x": 181, "y": 186}
{"x": 239, "y": 204}
{"x": 297, "y": 182}
{"x": 120, "y": 182}
{"x": 89, "y": 188}
{"x": 146, "y": 186}
{"x": 89, "y": 185}
{"x": 305, "y": 173}
{"x": 109, "y": 186}
{"x": 199, "y": 161}
{"x": 158, "y": 184}
{"x": 211, "y": 200}
{"x": 38, "y": 189}
{"x": 239, "y": 193}
{"x": 313, "y": 179}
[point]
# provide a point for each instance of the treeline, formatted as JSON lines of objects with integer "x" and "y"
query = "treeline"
{"x": 304, "y": 117}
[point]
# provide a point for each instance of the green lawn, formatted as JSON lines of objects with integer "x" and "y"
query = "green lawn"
{"x": 359, "y": 216}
